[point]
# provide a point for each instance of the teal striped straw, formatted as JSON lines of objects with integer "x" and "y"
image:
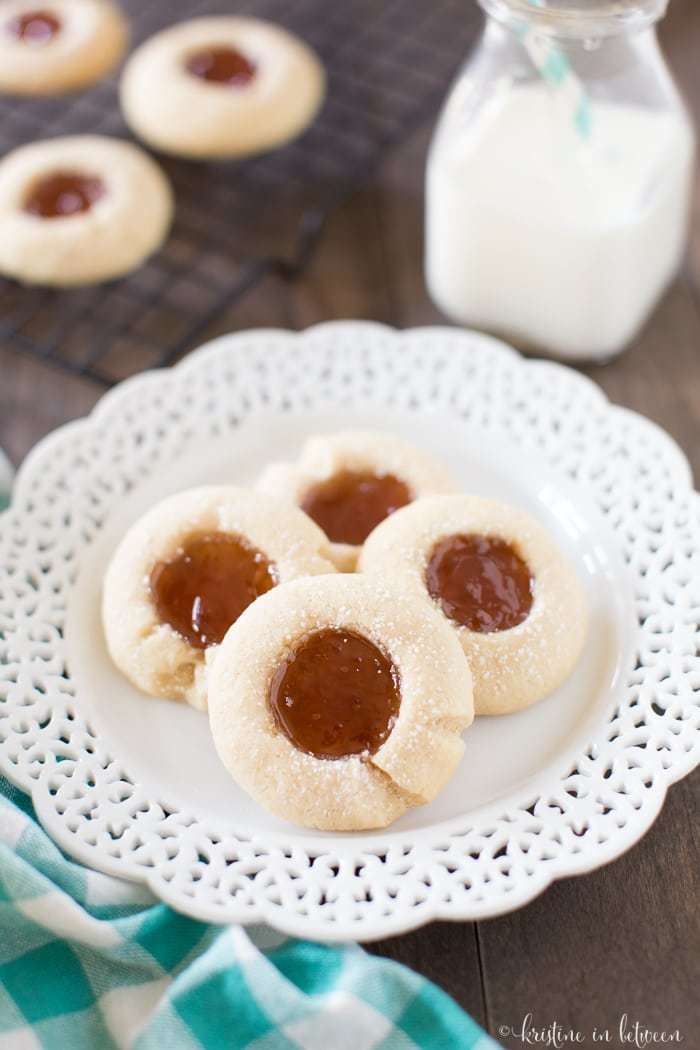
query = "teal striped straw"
{"x": 555, "y": 69}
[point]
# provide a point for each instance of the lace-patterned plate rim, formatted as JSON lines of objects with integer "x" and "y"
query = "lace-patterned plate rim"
{"x": 84, "y": 795}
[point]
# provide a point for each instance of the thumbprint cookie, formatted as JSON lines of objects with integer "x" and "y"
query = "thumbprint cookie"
{"x": 221, "y": 87}
{"x": 80, "y": 210}
{"x": 48, "y": 47}
{"x": 499, "y": 581}
{"x": 187, "y": 570}
{"x": 350, "y": 481}
{"x": 338, "y": 702}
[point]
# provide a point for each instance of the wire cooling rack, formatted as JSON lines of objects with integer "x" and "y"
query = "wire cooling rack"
{"x": 388, "y": 62}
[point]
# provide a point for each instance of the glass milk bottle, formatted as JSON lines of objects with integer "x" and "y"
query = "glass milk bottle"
{"x": 558, "y": 181}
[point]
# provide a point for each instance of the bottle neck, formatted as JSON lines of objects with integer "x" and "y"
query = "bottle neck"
{"x": 623, "y": 67}
{"x": 578, "y": 19}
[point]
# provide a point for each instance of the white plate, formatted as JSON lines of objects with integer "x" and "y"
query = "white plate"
{"x": 134, "y": 787}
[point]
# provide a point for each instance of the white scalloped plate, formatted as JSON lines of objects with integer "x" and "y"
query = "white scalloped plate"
{"x": 133, "y": 786}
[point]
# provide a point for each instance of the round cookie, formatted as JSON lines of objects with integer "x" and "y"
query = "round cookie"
{"x": 348, "y": 482}
{"x": 185, "y": 571}
{"x": 221, "y": 87}
{"x": 337, "y": 702}
{"x": 80, "y": 210}
{"x": 48, "y": 47}
{"x": 498, "y": 579}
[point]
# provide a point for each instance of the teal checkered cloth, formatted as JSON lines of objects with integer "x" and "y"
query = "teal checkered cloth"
{"x": 90, "y": 962}
{"x": 5, "y": 479}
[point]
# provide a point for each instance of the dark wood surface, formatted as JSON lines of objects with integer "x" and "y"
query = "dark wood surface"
{"x": 625, "y": 939}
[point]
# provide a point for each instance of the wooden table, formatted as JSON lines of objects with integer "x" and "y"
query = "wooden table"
{"x": 625, "y": 939}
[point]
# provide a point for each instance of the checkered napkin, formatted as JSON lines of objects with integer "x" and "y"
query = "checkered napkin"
{"x": 5, "y": 479}
{"x": 90, "y": 962}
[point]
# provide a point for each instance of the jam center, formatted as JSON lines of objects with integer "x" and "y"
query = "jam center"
{"x": 351, "y": 504}
{"x": 336, "y": 695}
{"x": 35, "y": 27}
{"x": 206, "y": 587}
{"x": 63, "y": 194}
{"x": 480, "y": 582}
{"x": 221, "y": 65}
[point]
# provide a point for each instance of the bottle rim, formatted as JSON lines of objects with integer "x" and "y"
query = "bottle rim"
{"x": 579, "y": 18}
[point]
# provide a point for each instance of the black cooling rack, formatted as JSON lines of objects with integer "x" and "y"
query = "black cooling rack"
{"x": 389, "y": 63}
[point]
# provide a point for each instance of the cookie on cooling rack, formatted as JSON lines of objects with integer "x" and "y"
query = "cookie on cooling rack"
{"x": 48, "y": 47}
{"x": 185, "y": 572}
{"x": 80, "y": 210}
{"x": 221, "y": 87}
{"x": 501, "y": 583}
{"x": 350, "y": 481}
{"x": 338, "y": 702}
